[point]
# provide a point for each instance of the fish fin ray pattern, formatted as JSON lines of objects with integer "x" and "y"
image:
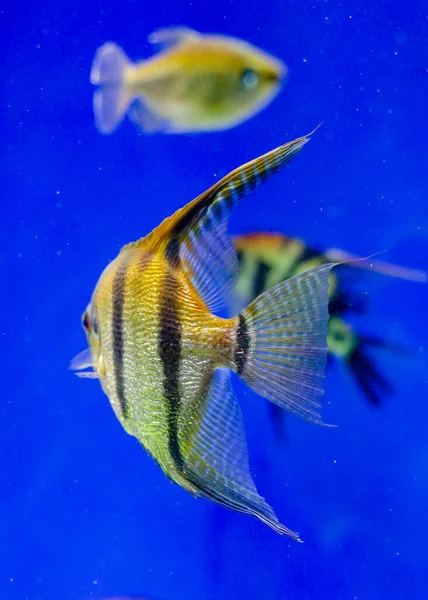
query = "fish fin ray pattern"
{"x": 205, "y": 246}
{"x": 217, "y": 460}
{"x": 209, "y": 258}
{"x": 287, "y": 354}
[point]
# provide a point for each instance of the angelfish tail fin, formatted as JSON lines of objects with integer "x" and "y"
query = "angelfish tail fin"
{"x": 281, "y": 347}
{"x": 111, "y": 99}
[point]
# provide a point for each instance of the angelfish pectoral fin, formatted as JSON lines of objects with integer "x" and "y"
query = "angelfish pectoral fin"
{"x": 83, "y": 361}
{"x": 87, "y": 375}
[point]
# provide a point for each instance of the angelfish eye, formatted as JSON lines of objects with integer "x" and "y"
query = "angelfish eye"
{"x": 90, "y": 323}
{"x": 250, "y": 79}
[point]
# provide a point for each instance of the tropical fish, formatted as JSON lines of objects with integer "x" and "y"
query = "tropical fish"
{"x": 265, "y": 259}
{"x": 165, "y": 359}
{"x": 196, "y": 83}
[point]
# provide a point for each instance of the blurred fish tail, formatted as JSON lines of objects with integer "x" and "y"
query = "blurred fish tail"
{"x": 111, "y": 99}
{"x": 355, "y": 350}
{"x": 363, "y": 367}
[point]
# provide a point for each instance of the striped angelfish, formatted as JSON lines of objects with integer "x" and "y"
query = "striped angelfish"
{"x": 164, "y": 358}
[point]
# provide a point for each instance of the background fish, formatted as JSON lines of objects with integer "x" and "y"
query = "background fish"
{"x": 164, "y": 359}
{"x": 197, "y": 83}
{"x": 268, "y": 258}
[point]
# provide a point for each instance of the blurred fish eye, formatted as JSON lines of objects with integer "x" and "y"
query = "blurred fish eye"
{"x": 250, "y": 79}
{"x": 86, "y": 322}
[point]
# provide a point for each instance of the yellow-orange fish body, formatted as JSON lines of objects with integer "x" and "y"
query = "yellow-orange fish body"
{"x": 198, "y": 83}
{"x": 139, "y": 284}
{"x": 164, "y": 358}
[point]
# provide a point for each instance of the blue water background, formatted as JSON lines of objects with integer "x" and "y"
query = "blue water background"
{"x": 84, "y": 511}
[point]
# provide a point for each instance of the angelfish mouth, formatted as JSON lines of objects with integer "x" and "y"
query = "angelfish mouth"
{"x": 81, "y": 362}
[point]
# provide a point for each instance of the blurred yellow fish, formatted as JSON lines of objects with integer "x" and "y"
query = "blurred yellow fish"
{"x": 165, "y": 360}
{"x": 196, "y": 83}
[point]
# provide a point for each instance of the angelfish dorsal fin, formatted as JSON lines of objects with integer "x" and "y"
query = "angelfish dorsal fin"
{"x": 167, "y": 37}
{"x": 197, "y": 234}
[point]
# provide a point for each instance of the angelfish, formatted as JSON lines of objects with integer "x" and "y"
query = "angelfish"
{"x": 197, "y": 82}
{"x": 164, "y": 358}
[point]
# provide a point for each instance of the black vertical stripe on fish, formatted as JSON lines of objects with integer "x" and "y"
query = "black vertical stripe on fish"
{"x": 117, "y": 327}
{"x": 260, "y": 278}
{"x": 192, "y": 214}
{"x": 243, "y": 344}
{"x": 170, "y": 355}
{"x": 172, "y": 252}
